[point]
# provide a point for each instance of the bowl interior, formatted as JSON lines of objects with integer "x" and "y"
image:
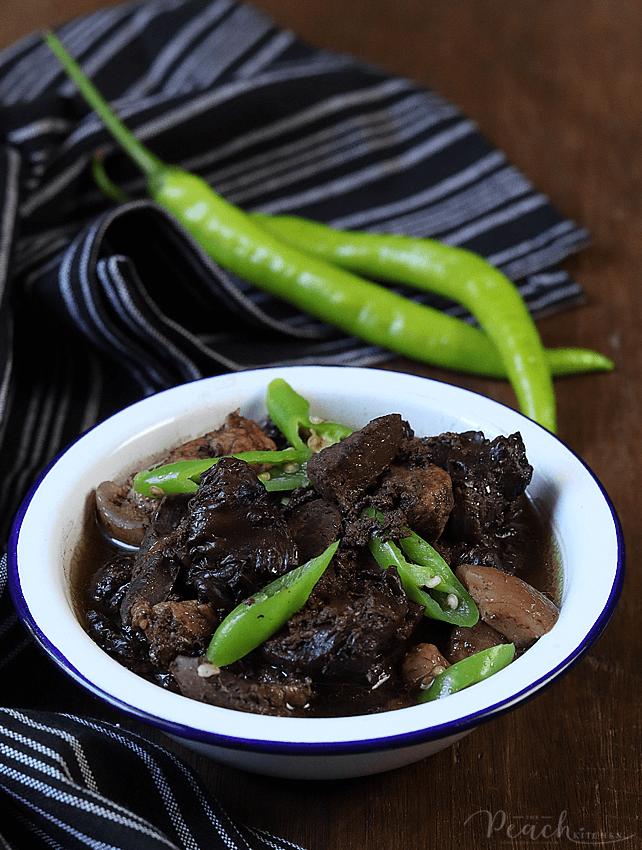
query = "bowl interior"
{"x": 48, "y": 535}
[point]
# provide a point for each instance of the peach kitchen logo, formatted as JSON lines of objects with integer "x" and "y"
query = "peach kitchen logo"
{"x": 541, "y": 828}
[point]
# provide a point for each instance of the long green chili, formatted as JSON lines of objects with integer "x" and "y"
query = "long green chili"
{"x": 257, "y": 618}
{"x": 183, "y": 476}
{"x": 561, "y": 361}
{"x": 242, "y": 246}
{"x": 427, "y": 579}
{"x": 342, "y": 298}
{"x": 469, "y": 671}
{"x": 448, "y": 271}
{"x": 290, "y": 412}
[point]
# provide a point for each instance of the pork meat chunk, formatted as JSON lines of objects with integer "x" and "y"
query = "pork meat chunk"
{"x": 238, "y": 434}
{"x": 424, "y": 494}
{"x": 172, "y": 628}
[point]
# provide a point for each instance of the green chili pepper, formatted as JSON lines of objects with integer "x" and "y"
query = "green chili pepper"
{"x": 451, "y": 272}
{"x": 469, "y": 671}
{"x": 260, "y": 616}
{"x": 561, "y": 361}
{"x": 355, "y": 306}
{"x": 242, "y": 246}
{"x": 183, "y": 476}
{"x": 574, "y": 361}
{"x": 352, "y": 304}
{"x": 428, "y": 580}
{"x": 280, "y": 480}
{"x": 104, "y": 182}
{"x": 419, "y": 552}
{"x": 290, "y": 412}
{"x": 420, "y": 263}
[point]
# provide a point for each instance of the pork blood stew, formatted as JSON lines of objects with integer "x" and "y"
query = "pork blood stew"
{"x": 359, "y": 644}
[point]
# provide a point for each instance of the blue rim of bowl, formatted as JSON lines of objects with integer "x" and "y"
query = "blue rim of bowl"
{"x": 407, "y": 739}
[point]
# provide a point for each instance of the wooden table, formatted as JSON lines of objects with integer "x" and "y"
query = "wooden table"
{"x": 556, "y": 85}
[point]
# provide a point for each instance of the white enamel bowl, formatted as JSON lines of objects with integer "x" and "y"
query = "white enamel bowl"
{"x": 47, "y": 534}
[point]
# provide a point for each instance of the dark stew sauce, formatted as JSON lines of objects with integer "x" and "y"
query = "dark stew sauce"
{"x": 359, "y": 645}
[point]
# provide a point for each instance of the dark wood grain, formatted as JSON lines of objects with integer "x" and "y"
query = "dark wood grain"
{"x": 556, "y": 85}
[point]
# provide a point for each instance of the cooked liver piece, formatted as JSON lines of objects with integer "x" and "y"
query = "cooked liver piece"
{"x": 511, "y": 606}
{"x": 342, "y": 472}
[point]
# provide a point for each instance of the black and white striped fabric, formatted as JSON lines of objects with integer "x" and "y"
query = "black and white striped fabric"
{"x": 73, "y": 781}
{"x": 102, "y": 304}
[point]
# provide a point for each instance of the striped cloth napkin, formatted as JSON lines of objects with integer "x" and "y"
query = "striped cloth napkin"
{"x": 103, "y": 304}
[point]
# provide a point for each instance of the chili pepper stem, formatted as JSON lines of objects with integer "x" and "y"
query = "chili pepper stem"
{"x": 149, "y": 163}
{"x": 104, "y": 181}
